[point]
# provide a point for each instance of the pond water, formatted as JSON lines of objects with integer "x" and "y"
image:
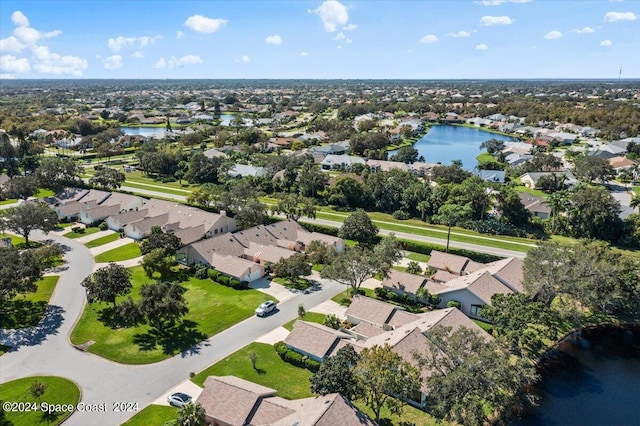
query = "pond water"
{"x": 444, "y": 144}
{"x": 594, "y": 383}
{"x": 144, "y": 131}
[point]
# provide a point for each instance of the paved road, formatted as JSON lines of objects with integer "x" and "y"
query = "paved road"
{"x": 405, "y": 235}
{"x": 46, "y": 350}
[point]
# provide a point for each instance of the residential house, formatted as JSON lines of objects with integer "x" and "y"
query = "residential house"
{"x": 214, "y": 153}
{"x": 366, "y": 314}
{"x": 231, "y": 401}
{"x": 536, "y": 205}
{"x": 330, "y": 149}
{"x": 452, "y": 263}
{"x": 622, "y": 163}
{"x": 530, "y": 180}
{"x": 385, "y": 166}
{"x": 496, "y": 176}
{"x": 69, "y": 205}
{"x": 112, "y": 205}
{"x": 345, "y": 162}
{"x": 244, "y": 170}
{"x": 404, "y": 283}
{"x": 316, "y": 341}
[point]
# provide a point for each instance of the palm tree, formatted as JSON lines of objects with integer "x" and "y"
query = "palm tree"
{"x": 557, "y": 203}
{"x": 451, "y": 214}
{"x": 191, "y": 415}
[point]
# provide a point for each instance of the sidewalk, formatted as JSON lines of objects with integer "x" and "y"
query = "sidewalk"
{"x": 94, "y": 236}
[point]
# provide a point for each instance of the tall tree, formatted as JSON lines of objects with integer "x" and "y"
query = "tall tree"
{"x": 30, "y": 216}
{"x": 594, "y": 213}
{"x": 336, "y": 375}
{"x": 294, "y": 206}
{"x": 591, "y": 168}
{"x": 163, "y": 303}
{"x": 19, "y": 272}
{"x": 311, "y": 180}
{"x": 57, "y": 173}
{"x": 357, "y": 264}
{"x": 158, "y": 239}
{"x": 252, "y": 213}
{"x": 450, "y": 215}
{"x": 157, "y": 260}
{"x": 471, "y": 375}
{"x": 386, "y": 379}
{"x": 359, "y": 227}
{"x": 108, "y": 178}
{"x": 107, "y": 283}
{"x": 21, "y": 187}
{"x": 292, "y": 267}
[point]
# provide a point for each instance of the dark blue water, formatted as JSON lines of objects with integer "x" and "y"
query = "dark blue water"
{"x": 597, "y": 385}
{"x": 443, "y": 144}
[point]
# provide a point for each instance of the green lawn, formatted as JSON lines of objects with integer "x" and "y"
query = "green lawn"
{"x": 153, "y": 415}
{"x": 157, "y": 188}
{"x": 42, "y": 193}
{"x": 88, "y": 231}
{"x": 299, "y": 284}
{"x": 636, "y": 189}
{"x": 418, "y": 257}
{"x": 9, "y": 201}
{"x": 125, "y": 252}
{"x": 291, "y": 382}
{"x": 536, "y": 192}
{"x": 212, "y": 308}
{"x": 59, "y": 391}
{"x": 103, "y": 240}
{"x": 344, "y": 298}
{"x": 27, "y": 311}
{"x": 309, "y": 317}
{"x": 15, "y": 240}
{"x": 484, "y": 157}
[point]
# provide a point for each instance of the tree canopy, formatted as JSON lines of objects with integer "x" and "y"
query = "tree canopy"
{"x": 107, "y": 283}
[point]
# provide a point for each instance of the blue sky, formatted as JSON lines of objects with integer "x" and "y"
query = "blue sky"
{"x": 315, "y": 39}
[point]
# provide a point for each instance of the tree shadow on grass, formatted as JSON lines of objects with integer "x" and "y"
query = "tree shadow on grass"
{"x": 33, "y": 336}
{"x": 21, "y": 313}
{"x": 183, "y": 338}
{"x": 112, "y": 319}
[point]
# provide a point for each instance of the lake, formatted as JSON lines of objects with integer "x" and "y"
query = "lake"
{"x": 443, "y": 144}
{"x": 594, "y": 384}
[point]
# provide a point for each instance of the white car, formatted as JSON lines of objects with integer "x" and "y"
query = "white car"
{"x": 265, "y": 308}
{"x": 179, "y": 399}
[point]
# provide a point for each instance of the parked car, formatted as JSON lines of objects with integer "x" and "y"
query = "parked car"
{"x": 178, "y": 399}
{"x": 265, "y": 308}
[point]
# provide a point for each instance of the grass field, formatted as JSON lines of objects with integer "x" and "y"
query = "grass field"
{"x": 212, "y": 308}
{"x": 59, "y": 391}
{"x": 291, "y": 382}
{"x": 103, "y": 240}
{"x": 22, "y": 312}
{"x": 125, "y": 252}
{"x": 153, "y": 415}
{"x": 418, "y": 257}
{"x": 88, "y": 231}
{"x": 15, "y": 240}
{"x": 309, "y": 317}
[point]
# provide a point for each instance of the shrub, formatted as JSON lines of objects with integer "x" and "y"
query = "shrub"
{"x": 294, "y": 358}
{"x": 224, "y": 280}
{"x": 234, "y": 282}
{"x": 201, "y": 271}
{"x": 311, "y": 364}
{"x": 213, "y": 274}
{"x": 332, "y": 321}
{"x": 281, "y": 349}
{"x": 381, "y": 293}
{"x": 454, "y": 304}
{"x": 103, "y": 226}
{"x": 401, "y": 215}
{"x": 168, "y": 179}
{"x": 78, "y": 229}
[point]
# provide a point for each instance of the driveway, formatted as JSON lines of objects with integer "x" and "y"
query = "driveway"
{"x": 45, "y": 349}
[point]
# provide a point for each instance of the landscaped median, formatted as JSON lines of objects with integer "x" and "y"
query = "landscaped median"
{"x": 212, "y": 308}
{"x": 27, "y": 311}
{"x": 52, "y": 407}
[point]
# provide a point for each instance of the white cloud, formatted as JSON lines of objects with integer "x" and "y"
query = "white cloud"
{"x": 606, "y": 43}
{"x": 274, "y": 39}
{"x": 429, "y": 38}
{"x": 120, "y": 42}
{"x": 499, "y": 2}
{"x": 496, "y": 20}
{"x": 11, "y": 64}
{"x": 349, "y": 27}
{"x": 482, "y": 46}
{"x": 585, "y": 30}
{"x": 200, "y": 24}
{"x": 245, "y": 58}
{"x": 27, "y": 35}
{"x": 179, "y": 35}
{"x": 4, "y": 76}
{"x": 52, "y": 34}
{"x": 341, "y": 37}
{"x": 304, "y": 54}
{"x": 113, "y": 62}
{"x": 54, "y": 63}
{"x": 459, "y": 34}
{"x": 174, "y": 62}
{"x": 619, "y": 16}
{"x": 332, "y": 13}
{"x": 138, "y": 55}
{"x": 19, "y": 19}
{"x": 11, "y": 44}
{"x": 552, "y": 35}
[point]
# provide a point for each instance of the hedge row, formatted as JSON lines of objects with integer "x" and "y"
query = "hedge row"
{"x": 227, "y": 281}
{"x": 294, "y": 358}
{"x": 415, "y": 246}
